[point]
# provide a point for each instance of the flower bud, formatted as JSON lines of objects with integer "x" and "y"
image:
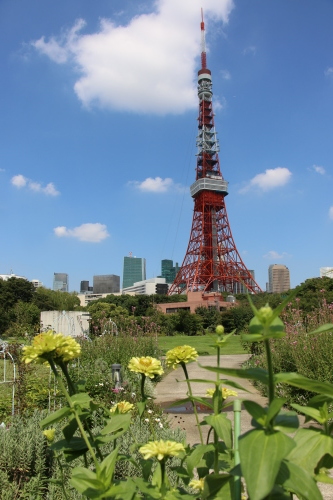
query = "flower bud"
{"x": 219, "y": 329}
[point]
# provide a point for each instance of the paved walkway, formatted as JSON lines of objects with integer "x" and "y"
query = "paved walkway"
{"x": 173, "y": 388}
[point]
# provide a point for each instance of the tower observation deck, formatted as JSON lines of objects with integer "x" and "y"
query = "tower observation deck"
{"x": 212, "y": 261}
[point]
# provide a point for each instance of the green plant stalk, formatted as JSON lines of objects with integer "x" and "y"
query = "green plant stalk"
{"x": 77, "y": 418}
{"x": 193, "y": 404}
{"x": 271, "y": 384}
{"x": 216, "y": 412}
{"x": 237, "y": 431}
{"x": 143, "y": 378}
{"x": 62, "y": 476}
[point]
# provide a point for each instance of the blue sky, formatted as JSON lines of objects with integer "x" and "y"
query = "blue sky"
{"x": 98, "y": 114}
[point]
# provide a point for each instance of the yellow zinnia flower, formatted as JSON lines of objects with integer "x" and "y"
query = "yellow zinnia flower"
{"x": 161, "y": 449}
{"x": 197, "y": 484}
{"x": 225, "y": 393}
{"x": 122, "y": 407}
{"x": 49, "y": 434}
{"x": 146, "y": 365}
{"x": 181, "y": 354}
{"x": 48, "y": 345}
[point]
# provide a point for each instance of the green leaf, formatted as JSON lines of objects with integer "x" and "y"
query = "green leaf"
{"x": 297, "y": 480}
{"x": 261, "y": 455}
{"x": 218, "y": 486}
{"x": 147, "y": 488}
{"x": 286, "y": 421}
{"x": 118, "y": 425}
{"x": 55, "y": 417}
{"x": 274, "y": 408}
{"x": 248, "y": 373}
{"x": 141, "y": 407}
{"x": 259, "y": 413}
{"x": 85, "y": 481}
{"x": 194, "y": 458}
{"x": 69, "y": 430}
{"x": 313, "y": 413}
{"x": 222, "y": 425}
{"x": 82, "y": 399}
{"x": 311, "y": 446}
{"x": 107, "y": 468}
{"x": 302, "y": 382}
{"x": 328, "y": 327}
{"x": 75, "y": 444}
{"x": 124, "y": 490}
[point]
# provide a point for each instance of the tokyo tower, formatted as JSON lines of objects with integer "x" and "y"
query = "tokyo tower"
{"x": 212, "y": 262}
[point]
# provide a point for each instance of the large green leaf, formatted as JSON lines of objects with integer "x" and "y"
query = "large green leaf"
{"x": 70, "y": 429}
{"x": 286, "y": 421}
{"x": 222, "y": 425}
{"x": 248, "y": 373}
{"x": 218, "y": 486}
{"x": 311, "y": 446}
{"x": 75, "y": 444}
{"x": 313, "y": 413}
{"x": 328, "y": 327}
{"x": 55, "y": 417}
{"x": 194, "y": 458}
{"x": 117, "y": 426}
{"x": 258, "y": 412}
{"x": 85, "y": 481}
{"x": 302, "y": 382}
{"x": 82, "y": 399}
{"x": 261, "y": 455}
{"x": 107, "y": 468}
{"x": 297, "y": 480}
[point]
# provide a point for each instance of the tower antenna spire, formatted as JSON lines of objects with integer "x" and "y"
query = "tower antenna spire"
{"x": 203, "y": 43}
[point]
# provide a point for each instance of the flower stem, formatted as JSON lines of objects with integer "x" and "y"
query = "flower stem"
{"x": 193, "y": 404}
{"x": 72, "y": 407}
{"x": 271, "y": 385}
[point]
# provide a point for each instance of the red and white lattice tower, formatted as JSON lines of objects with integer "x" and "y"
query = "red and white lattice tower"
{"x": 212, "y": 261}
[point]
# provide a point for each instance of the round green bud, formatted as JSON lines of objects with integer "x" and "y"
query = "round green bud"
{"x": 219, "y": 330}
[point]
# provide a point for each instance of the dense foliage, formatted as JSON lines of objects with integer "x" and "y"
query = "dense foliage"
{"x": 21, "y": 305}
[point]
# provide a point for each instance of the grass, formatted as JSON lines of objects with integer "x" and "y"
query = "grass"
{"x": 202, "y": 344}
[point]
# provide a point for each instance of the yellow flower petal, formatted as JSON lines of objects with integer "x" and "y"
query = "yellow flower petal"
{"x": 180, "y": 354}
{"x": 147, "y": 365}
{"x": 161, "y": 449}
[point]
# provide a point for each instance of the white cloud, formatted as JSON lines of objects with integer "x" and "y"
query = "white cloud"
{"x": 318, "y": 169}
{"x": 270, "y": 179}
{"x": 225, "y": 74}
{"x": 251, "y": 49}
{"x": 273, "y": 255}
{"x": 92, "y": 232}
{"x": 19, "y": 181}
{"x": 136, "y": 67}
{"x": 329, "y": 71}
{"x": 157, "y": 185}
{"x": 330, "y": 212}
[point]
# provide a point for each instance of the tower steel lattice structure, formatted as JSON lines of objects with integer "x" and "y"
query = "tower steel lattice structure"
{"x": 212, "y": 261}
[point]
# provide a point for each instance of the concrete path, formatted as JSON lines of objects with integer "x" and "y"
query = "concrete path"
{"x": 173, "y": 388}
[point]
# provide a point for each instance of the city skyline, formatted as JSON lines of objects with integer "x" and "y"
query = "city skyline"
{"x": 92, "y": 168}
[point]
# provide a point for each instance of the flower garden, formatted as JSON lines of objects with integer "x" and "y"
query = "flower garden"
{"x": 102, "y": 440}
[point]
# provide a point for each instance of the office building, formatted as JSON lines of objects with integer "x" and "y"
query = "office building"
{"x": 60, "y": 282}
{"x": 106, "y": 283}
{"x": 85, "y": 287}
{"x": 151, "y": 286}
{"x": 169, "y": 271}
{"x": 278, "y": 278}
{"x": 134, "y": 270}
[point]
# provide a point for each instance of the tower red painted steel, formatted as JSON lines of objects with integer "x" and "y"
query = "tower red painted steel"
{"x": 212, "y": 261}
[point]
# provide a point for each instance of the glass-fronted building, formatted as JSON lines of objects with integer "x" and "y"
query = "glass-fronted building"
{"x": 134, "y": 270}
